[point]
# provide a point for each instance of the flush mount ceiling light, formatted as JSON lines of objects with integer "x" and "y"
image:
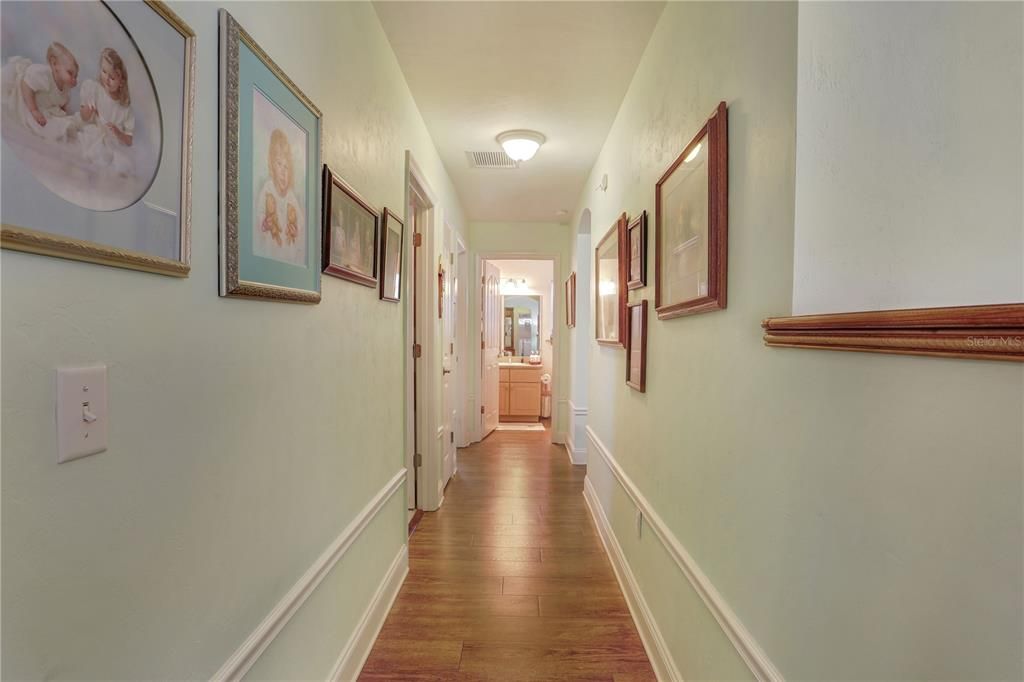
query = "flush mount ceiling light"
{"x": 521, "y": 145}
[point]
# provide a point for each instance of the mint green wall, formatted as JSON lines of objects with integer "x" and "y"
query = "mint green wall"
{"x": 860, "y": 513}
{"x": 243, "y": 438}
{"x": 523, "y": 239}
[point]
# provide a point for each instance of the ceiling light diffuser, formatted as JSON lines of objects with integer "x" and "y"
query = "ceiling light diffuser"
{"x": 521, "y": 145}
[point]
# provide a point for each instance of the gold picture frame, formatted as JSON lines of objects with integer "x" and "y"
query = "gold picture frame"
{"x": 42, "y": 242}
{"x": 233, "y": 257}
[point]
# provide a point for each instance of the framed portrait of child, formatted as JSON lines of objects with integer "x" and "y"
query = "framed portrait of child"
{"x": 392, "y": 246}
{"x": 351, "y": 233}
{"x": 270, "y": 159}
{"x": 97, "y": 106}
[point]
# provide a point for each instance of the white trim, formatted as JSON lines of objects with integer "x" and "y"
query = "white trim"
{"x": 576, "y": 410}
{"x": 557, "y": 433}
{"x": 650, "y": 635}
{"x": 577, "y": 419}
{"x": 747, "y": 647}
{"x": 429, "y": 475}
{"x": 254, "y": 645}
{"x": 352, "y": 658}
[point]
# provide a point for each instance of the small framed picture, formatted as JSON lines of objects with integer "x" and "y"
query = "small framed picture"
{"x": 98, "y": 100}
{"x": 610, "y": 275}
{"x": 636, "y": 346}
{"x": 570, "y": 300}
{"x": 636, "y": 243}
{"x": 691, "y": 216}
{"x": 270, "y": 158}
{"x": 392, "y": 239}
{"x": 351, "y": 232}
{"x": 572, "y": 288}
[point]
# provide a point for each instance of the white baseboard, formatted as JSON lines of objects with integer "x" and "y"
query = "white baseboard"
{"x": 747, "y": 647}
{"x": 358, "y": 647}
{"x": 576, "y": 456}
{"x": 650, "y": 635}
{"x": 250, "y": 650}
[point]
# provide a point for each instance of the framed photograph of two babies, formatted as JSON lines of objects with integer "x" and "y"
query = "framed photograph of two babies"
{"x": 97, "y": 113}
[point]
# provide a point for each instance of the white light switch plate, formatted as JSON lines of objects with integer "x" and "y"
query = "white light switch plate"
{"x": 81, "y": 412}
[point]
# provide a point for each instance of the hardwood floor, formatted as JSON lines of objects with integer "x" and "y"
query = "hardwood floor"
{"x": 508, "y": 580}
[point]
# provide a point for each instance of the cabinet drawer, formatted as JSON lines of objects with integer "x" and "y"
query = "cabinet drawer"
{"x": 525, "y": 375}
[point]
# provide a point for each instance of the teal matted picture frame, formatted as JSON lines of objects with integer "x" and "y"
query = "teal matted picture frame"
{"x": 270, "y": 158}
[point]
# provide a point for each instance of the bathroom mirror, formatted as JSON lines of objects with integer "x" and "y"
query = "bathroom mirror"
{"x": 521, "y": 325}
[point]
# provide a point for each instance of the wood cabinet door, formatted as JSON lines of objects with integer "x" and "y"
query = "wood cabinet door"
{"x": 524, "y": 399}
{"x": 503, "y": 399}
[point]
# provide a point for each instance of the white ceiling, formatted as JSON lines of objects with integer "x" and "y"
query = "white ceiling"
{"x": 537, "y": 273}
{"x": 479, "y": 68}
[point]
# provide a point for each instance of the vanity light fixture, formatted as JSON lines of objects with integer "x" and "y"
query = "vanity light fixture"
{"x": 521, "y": 145}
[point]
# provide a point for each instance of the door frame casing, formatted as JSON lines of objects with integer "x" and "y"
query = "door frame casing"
{"x": 558, "y": 313}
{"x": 462, "y": 385}
{"x": 422, "y": 421}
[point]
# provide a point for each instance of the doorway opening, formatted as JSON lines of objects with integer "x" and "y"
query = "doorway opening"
{"x": 518, "y": 326}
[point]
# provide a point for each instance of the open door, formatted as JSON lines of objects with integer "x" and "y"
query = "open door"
{"x": 490, "y": 341}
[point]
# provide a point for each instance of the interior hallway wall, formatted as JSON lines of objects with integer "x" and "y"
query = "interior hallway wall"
{"x": 244, "y": 435}
{"x": 523, "y": 239}
{"x": 861, "y": 514}
{"x": 873, "y": 102}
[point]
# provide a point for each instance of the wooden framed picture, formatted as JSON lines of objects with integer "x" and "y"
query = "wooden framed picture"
{"x": 636, "y": 245}
{"x": 636, "y": 346}
{"x": 97, "y": 103}
{"x": 270, "y": 159}
{"x": 392, "y": 239}
{"x": 572, "y": 289}
{"x": 570, "y": 301}
{"x": 610, "y": 275}
{"x": 691, "y": 215}
{"x": 351, "y": 233}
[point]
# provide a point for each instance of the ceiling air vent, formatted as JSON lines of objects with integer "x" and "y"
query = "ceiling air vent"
{"x": 490, "y": 160}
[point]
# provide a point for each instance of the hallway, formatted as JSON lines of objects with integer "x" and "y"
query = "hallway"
{"x": 509, "y": 579}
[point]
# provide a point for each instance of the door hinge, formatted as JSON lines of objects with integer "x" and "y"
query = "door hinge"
{"x": 481, "y": 409}
{"x": 452, "y": 439}
{"x": 417, "y": 460}
{"x": 417, "y": 350}
{"x": 451, "y": 348}
{"x": 417, "y": 239}
{"x": 481, "y": 344}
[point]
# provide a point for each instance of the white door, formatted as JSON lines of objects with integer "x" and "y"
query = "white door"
{"x": 448, "y": 358}
{"x": 490, "y": 339}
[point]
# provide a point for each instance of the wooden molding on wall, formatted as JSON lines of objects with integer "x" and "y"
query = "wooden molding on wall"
{"x": 983, "y": 332}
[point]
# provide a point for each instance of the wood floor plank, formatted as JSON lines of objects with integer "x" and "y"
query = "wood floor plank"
{"x": 481, "y": 605}
{"x": 468, "y": 551}
{"x": 404, "y": 655}
{"x": 531, "y": 661}
{"x": 509, "y": 580}
{"x": 548, "y": 631}
{"x": 564, "y": 586}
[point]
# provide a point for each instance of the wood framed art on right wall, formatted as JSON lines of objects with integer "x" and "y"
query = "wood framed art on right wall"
{"x": 691, "y": 224}
{"x": 610, "y": 279}
{"x": 636, "y": 346}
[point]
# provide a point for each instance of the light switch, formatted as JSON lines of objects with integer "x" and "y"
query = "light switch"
{"x": 81, "y": 412}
